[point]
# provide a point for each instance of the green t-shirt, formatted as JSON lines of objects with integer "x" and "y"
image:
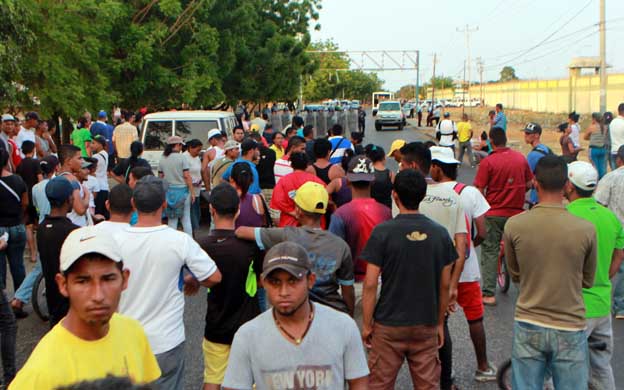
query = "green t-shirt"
{"x": 609, "y": 236}
{"x": 79, "y": 137}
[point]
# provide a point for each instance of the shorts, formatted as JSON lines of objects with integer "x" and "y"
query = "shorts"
{"x": 470, "y": 298}
{"x": 215, "y": 361}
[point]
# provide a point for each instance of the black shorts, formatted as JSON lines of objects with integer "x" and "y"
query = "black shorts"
{"x": 31, "y": 215}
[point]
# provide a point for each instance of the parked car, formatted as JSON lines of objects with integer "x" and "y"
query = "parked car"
{"x": 389, "y": 114}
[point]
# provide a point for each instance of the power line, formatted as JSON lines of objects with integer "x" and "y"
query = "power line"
{"x": 543, "y": 41}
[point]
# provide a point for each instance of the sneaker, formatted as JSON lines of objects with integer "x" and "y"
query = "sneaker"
{"x": 488, "y": 375}
{"x": 619, "y": 316}
{"x": 489, "y": 301}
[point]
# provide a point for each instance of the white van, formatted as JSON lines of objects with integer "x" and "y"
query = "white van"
{"x": 159, "y": 126}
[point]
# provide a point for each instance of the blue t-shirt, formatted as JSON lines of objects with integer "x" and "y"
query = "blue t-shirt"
{"x": 106, "y": 131}
{"x": 533, "y": 157}
{"x": 254, "y": 188}
{"x": 339, "y": 146}
{"x": 500, "y": 120}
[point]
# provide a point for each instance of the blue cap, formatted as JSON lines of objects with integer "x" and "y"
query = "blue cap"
{"x": 59, "y": 189}
{"x": 102, "y": 114}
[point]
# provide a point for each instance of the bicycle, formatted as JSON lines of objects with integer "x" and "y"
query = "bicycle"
{"x": 503, "y": 376}
{"x": 502, "y": 276}
{"x": 38, "y": 299}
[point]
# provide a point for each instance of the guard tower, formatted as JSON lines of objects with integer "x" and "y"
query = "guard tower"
{"x": 575, "y": 67}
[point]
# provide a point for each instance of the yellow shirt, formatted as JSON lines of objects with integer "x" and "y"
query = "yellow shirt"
{"x": 463, "y": 131}
{"x": 123, "y": 136}
{"x": 279, "y": 153}
{"x": 61, "y": 359}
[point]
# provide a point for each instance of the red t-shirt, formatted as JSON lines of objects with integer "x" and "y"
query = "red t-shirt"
{"x": 504, "y": 174}
{"x": 16, "y": 158}
{"x": 354, "y": 222}
{"x": 284, "y": 192}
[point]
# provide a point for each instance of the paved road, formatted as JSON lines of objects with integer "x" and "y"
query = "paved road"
{"x": 498, "y": 320}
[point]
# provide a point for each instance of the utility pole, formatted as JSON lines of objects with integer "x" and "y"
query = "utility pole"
{"x": 603, "y": 60}
{"x": 416, "y": 89}
{"x": 467, "y": 30}
{"x": 464, "y": 92}
{"x": 480, "y": 65}
{"x": 433, "y": 83}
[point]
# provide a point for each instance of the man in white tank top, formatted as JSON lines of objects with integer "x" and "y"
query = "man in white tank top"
{"x": 213, "y": 153}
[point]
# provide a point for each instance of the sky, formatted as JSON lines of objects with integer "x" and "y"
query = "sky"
{"x": 537, "y": 37}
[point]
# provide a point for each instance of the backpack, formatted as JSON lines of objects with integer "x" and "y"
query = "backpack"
{"x": 547, "y": 152}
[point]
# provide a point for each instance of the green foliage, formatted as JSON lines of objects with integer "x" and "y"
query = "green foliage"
{"x": 331, "y": 79}
{"x": 508, "y": 73}
{"x": 73, "y": 55}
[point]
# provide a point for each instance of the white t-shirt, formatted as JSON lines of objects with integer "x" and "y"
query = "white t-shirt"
{"x": 443, "y": 205}
{"x": 616, "y": 130}
{"x": 101, "y": 171}
{"x": 155, "y": 257}
{"x": 447, "y": 129}
{"x": 93, "y": 185}
{"x": 575, "y": 135}
{"x": 195, "y": 171}
{"x": 25, "y": 135}
{"x": 111, "y": 228}
{"x": 281, "y": 168}
{"x": 475, "y": 205}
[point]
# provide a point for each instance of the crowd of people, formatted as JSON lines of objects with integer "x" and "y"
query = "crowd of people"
{"x": 305, "y": 232}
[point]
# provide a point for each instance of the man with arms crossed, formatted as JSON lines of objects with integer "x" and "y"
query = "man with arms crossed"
{"x": 92, "y": 341}
{"x": 297, "y": 344}
{"x": 551, "y": 255}
{"x": 414, "y": 256}
{"x": 156, "y": 256}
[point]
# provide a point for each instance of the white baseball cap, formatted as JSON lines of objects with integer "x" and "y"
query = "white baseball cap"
{"x": 214, "y": 133}
{"x": 583, "y": 175}
{"x": 87, "y": 240}
{"x": 443, "y": 154}
{"x": 7, "y": 118}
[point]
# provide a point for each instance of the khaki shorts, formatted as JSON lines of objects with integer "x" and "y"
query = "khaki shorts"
{"x": 215, "y": 361}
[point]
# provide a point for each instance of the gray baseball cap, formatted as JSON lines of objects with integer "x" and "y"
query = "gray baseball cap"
{"x": 288, "y": 256}
{"x": 149, "y": 193}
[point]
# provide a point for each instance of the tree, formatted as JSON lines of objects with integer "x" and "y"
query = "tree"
{"x": 508, "y": 73}
{"x": 441, "y": 82}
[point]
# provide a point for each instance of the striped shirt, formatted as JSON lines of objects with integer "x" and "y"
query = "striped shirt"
{"x": 281, "y": 168}
{"x": 123, "y": 136}
{"x": 339, "y": 145}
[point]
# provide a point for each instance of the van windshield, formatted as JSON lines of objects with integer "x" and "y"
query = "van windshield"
{"x": 389, "y": 106}
{"x": 156, "y": 134}
{"x": 192, "y": 129}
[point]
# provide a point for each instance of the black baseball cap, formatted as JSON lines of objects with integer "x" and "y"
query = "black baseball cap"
{"x": 361, "y": 169}
{"x": 32, "y": 115}
{"x": 532, "y": 128}
{"x": 288, "y": 256}
{"x": 149, "y": 193}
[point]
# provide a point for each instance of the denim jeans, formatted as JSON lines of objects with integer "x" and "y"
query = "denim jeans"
{"x": 186, "y": 218}
{"x": 8, "y": 335}
{"x": 618, "y": 291}
{"x": 598, "y": 157}
{"x": 466, "y": 147}
{"x": 195, "y": 214}
{"x": 24, "y": 292}
{"x": 14, "y": 253}
{"x": 612, "y": 163}
{"x": 599, "y": 330}
{"x": 537, "y": 350}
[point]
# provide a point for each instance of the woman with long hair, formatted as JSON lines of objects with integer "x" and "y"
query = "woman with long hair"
{"x": 381, "y": 188}
{"x": 174, "y": 168}
{"x": 193, "y": 148}
{"x": 596, "y": 134}
{"x": 252, "y": 211}
{"x": 575, "y": 129}
{"x": 121, "y": 172}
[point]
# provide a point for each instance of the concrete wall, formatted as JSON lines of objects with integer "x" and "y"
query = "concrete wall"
{"x": 550, "y": 95}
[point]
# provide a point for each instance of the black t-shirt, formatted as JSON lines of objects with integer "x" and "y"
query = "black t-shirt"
{"x": 411, "y": 251}
{"x": 229, "y": 305}
{"x": 28, "y": 169}
{"x": 51, "y": 234}
{"x": 10, "y": 207}
{"x": 126, "y": 165}
{"x": 359, "y": 149}
{"x": 266, "y": 176}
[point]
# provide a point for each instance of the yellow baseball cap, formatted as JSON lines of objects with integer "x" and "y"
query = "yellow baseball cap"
{"x": 255, "y": 128}
{"x": 396, "y": 145}
{"x": 312, "y": 197}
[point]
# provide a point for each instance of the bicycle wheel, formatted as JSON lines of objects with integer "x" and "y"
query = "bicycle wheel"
{"x": 39, "y": 303}
{"x": 503, "y": 276}
{"x": 503, "y": 376}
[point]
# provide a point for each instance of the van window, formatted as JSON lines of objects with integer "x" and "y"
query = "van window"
{"x": 389, "y": 106}
{"x": 156, "y": 134}
{"x": 229, "y": 122}
{"x": 191, "y": 129}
